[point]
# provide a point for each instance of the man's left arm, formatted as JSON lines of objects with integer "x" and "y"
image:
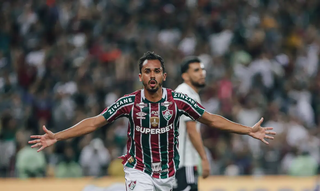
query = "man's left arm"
{"x": 196, "y": 111}
{"x": 219, "y": 122}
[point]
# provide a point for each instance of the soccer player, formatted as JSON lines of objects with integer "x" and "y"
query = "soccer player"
{"x": 190, "y": 142}
{"x": 152, "y": 149}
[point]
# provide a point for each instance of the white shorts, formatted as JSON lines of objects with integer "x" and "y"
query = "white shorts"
{"x": 140, "y": 181}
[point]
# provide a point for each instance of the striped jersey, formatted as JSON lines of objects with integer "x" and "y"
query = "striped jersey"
{"x": 152, "y": 145}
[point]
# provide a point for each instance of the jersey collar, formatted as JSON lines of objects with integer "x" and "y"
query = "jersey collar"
{"x": 164, "y": 96}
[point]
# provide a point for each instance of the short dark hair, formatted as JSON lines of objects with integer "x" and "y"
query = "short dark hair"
{"x": 151, "y": 56}
{"x": 187, "y": 61}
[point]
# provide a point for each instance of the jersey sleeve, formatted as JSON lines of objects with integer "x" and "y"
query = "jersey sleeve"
{"x": 185, "y": 118}
{"x": 188, "y": 106}
{"x": 120, "y": 108}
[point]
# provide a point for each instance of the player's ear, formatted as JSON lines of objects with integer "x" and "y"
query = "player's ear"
{"x": 185, "y": 77}
{"x": 164, "y": 76}
{"x": 140, "y": 77}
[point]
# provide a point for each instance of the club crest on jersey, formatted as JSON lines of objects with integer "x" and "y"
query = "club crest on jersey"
{"x": 154, "y": 121}
{"x": 132, "y": 184}
{"x": 167, "y": 114}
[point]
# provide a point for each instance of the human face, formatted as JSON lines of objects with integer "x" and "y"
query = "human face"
{"x": 152, "y": 75}
{"x": 196, "y": 74}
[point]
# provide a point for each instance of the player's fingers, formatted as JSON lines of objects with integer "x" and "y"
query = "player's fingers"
{"x": 271, "y": 133}
{"x": 268, "y": 137}
{"x": 205, "y": 175}
{"x": 35, "y": 136}
{"x": 265, "y": 142}
{"x": 45, "y": 129}
{"x": 268, "y": 128}
{"x": 36, "y": 145}
{"x": 34, "y": 141}
{"x": 259, "y": 122}
{"x": 41, "y": 149}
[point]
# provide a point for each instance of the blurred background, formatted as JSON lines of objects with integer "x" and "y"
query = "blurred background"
{"x": 62, "y": 61}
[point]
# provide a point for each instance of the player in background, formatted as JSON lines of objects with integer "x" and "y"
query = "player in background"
{"x": 153, "y": 112}
{"x": 190, "y": 142}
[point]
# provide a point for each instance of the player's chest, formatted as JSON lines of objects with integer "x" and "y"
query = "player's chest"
{"x": 154, "y": 115}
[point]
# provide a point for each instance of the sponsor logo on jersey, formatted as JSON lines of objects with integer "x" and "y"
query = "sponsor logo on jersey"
{"x": 156, "y": 167}
{"x": 167, "y": 114}
{"x": 186, "y": 98}
{"x": 154, "y": 131}
{"x": 118, "y": 104}
{"x": 132, "y": 184}
{"x": 155, "y": 113}
{"x": 166, "y": 103}
{"x": 154, "y": 121}
{"x": 141, "y": 105}
{"x": 141, "y": 115}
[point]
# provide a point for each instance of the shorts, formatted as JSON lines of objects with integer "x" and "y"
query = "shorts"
{"x": 140, "y": 181}
{"x": 187, "y": 179}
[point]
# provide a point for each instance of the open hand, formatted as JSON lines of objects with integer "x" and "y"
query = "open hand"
{"x": 43, "y": 141}
{"x": 262, "y": 133}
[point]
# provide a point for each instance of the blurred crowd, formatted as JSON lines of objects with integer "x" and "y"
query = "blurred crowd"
{"x": 63, "y": 61}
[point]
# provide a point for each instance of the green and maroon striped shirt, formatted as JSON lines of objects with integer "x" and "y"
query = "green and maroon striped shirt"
{"x": 153, "y": 129}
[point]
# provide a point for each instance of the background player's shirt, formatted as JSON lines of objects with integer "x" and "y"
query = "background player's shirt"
{"x": 188, "y": 154}
{"x": 152, "y": 145}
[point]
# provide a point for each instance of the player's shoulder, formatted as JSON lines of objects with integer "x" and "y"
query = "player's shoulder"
{"x": 128, "y": 97}
{"x": 132, "y": 94}
{"x": 186, "y": 90}
{"x": 182, "y": 88}
{"x": 176, "y": 95}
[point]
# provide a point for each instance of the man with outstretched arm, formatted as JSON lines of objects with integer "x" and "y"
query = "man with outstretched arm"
{"x": 152, "y": 156}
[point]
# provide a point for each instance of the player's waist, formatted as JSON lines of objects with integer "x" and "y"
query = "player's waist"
{"x": 154, "y": 167}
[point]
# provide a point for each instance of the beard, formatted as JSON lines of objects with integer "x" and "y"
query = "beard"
{"x": 197, "y": 84}
{"x": 152, "y": 90}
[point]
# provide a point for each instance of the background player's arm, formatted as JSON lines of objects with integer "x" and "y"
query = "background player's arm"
{"x": 196, "y": 141}
{"x": 219, "y": 122}
{"x": 195, "y": 138}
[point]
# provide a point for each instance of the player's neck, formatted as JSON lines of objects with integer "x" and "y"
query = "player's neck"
{"x": 153, "y": 96}
{"x": 193, "y": 87}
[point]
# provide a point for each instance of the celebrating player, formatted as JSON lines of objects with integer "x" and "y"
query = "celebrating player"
{"x": 152, "y": 156}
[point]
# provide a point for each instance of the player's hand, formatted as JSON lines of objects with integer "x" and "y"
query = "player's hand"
{"x": 205, "y": 168}
{"x": 262, "y": 133}
{"x": 43, "y": 141}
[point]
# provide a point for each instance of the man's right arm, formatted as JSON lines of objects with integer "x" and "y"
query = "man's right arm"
{"x": 85, "y": 126}
{"x": 118, "y": 109}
